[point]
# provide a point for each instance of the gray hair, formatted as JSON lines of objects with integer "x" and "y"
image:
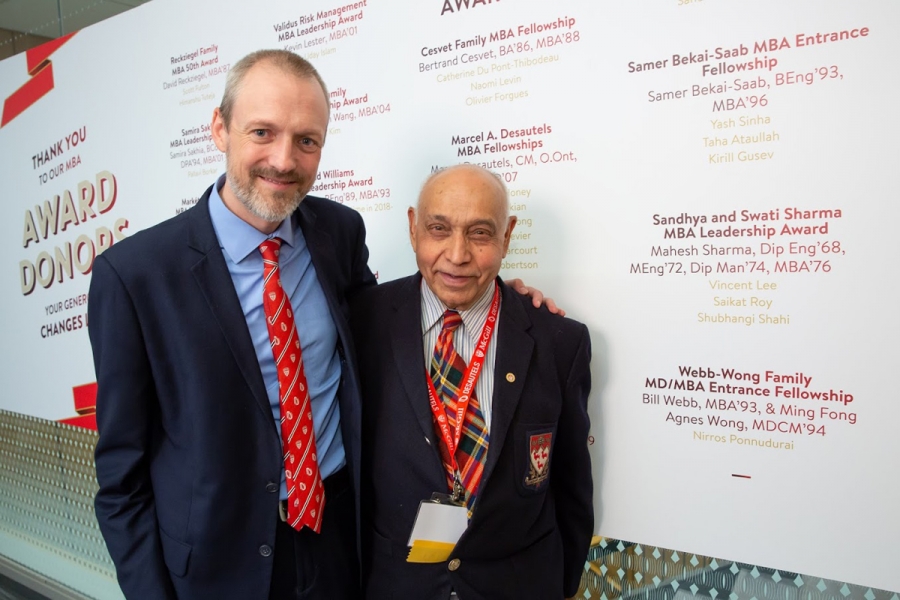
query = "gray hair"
{"x": 286, "y": 61}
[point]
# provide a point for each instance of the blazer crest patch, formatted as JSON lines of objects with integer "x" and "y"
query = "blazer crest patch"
{"x": 539, "y": 458}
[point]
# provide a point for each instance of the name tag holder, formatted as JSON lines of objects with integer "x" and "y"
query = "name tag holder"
{"x": 439, "y": 524}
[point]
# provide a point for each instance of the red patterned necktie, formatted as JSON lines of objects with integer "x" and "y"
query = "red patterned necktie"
{"x": 447, "y": 368}
{"x": 306, "y": 496}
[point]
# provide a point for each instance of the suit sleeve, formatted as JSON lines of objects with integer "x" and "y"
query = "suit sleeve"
{"x": 127, "y": 410}
{"x": 572, "y": 479}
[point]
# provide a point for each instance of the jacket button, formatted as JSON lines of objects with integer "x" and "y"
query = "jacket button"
{"x": 271, "y": 487}
{"x": 265, "y": 550}
{"x": 454, "y": 564}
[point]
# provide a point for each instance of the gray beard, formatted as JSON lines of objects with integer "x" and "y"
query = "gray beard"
{"x": 275, "y": 212}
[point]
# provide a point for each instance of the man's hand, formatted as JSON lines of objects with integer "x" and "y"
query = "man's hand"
{"x": 537, "y": 297}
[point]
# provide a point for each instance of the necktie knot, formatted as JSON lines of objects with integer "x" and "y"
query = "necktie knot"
{"x": 452, "y": 320}
{"x": 270, "y": 249}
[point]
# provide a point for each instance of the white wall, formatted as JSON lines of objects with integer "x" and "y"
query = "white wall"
{"x": 617, "y": 156}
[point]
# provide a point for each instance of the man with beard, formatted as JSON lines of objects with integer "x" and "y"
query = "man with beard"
{"x": 229, "y": 426}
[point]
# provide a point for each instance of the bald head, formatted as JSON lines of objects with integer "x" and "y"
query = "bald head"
{"x": 490, "y": 180}
{"x": 460, "y": 232}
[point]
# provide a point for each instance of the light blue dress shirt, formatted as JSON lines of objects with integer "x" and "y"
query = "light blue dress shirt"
{"x": 318, "y": 335}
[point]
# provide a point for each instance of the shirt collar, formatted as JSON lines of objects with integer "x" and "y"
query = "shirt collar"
{"x": 237, "y": 237}
{"x": 473, "y": 318}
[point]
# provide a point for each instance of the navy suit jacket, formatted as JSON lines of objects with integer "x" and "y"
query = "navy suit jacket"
{"x": 189, "y": 458}
{"x": 523, "y": 541}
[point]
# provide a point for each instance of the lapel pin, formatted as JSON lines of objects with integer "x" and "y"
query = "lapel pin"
{"x": 510, "y": 377}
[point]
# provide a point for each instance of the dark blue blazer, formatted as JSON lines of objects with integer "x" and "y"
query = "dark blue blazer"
{"x": 524, "y": 540}
{"x": 189, "y": 458}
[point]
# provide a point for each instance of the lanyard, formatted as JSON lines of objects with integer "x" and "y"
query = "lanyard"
{"x": 470, "y": 377}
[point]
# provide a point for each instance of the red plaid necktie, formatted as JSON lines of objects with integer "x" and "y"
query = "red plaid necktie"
{"x": 447, "y": 368}
{"x": 306, "y": 496}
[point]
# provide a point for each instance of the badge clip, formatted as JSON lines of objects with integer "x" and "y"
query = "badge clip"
{"x": 445, "y": 499}
{"x": 459, "y": 493}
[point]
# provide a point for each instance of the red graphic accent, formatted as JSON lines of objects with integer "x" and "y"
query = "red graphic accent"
{"x": 741, "y": 476}
{"x": 85, "y": 398}
{"x": 41, "y": 71}
{"x": 85, "y": 405}
{"x": 86, "y": 421}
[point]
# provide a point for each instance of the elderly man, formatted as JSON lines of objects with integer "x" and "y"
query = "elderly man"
{"x": 478, "y": 399}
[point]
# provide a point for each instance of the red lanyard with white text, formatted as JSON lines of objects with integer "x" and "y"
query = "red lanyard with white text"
{"x": 469, "y": 378}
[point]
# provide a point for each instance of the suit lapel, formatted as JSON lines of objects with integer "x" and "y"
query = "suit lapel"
{"x": 321, "y": 251}
{"x": 406, "y": 344}
{"x": 215, "y": 282}
{"x": 514, "y": 349}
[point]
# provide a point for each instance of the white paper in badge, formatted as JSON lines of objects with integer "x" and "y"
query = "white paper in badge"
{"x": 443, "y": 523}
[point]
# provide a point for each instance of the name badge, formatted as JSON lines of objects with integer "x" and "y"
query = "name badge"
{"x": 437, "y": 528}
